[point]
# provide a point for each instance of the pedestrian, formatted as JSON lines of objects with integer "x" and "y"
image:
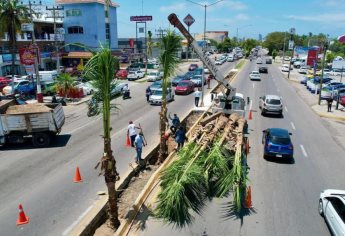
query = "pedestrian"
{"x": 139, "y": 143}
{"x": 208, "y": 81}
{"x": 180, "y": 138}
{"x": 175, "y": 123}
{"x": 197, "y": 95}
{"x": 329, "y": 103}
{"x": 132, "y": 132}
{"x": 148, "y": 94}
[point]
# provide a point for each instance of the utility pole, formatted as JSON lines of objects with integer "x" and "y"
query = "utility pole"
{"x": 325, "y": 47}
{"x": 56, "y": 15}
{"x": 292, "y": 32}
{"x": 284, "y": 47}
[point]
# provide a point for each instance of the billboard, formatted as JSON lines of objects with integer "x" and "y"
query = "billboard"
{"x": 141, "y": 18}
{"x": 27, "y": 56}
{"x": 312, "y": 56}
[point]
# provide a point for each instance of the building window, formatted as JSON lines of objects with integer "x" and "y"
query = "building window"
{"x": 75, "y": 30}
{"x": 73, "y": 12}
{"x": 107, "y": 31}
{"x": 106, "y": 14}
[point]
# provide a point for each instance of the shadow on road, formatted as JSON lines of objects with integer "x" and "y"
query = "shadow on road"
{"x": 276, "y": 116}
{"x": 288, "y": 161}
{"x": 230, "y": 212}
{"x": 58, "y": 141}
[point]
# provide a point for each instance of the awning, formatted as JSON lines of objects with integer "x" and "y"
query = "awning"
{"x": 84, "y": 55}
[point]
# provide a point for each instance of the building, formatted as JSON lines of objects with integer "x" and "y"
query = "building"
{"x": 218, "y": 36}
{"x": 89, "y": 23}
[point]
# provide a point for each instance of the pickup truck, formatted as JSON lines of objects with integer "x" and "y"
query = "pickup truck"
{"x": 40, "y": 122}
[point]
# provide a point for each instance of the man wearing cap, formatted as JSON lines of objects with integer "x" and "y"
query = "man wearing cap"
{"x": 131, "y": 131}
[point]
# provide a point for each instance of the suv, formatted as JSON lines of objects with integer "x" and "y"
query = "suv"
{"x": 268, "y": 61}
{"x": 277, "y": 143}
{"x": 271, "y": 104}
{"x": 156, "y": 98}
{"x": 332, "y": 208}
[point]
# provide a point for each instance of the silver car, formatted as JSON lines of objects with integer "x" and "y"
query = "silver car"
{"x": 332, "y": 208}
{"x": 271, "y": 104}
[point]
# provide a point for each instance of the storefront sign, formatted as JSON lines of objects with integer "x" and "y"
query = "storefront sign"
{"x": 27, "y": 56}
{"x": 141, "y": 18}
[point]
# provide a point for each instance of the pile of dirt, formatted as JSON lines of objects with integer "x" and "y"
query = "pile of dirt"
{"x": 27, "y": 109}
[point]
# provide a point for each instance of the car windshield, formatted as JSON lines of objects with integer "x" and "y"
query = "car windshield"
{"x": 183, "y": 84}
{"x": 157, "y": 92}
{"x": 280, "y": 140}
{"x": 273, "y": 101}
{"x": 153, "y": 73}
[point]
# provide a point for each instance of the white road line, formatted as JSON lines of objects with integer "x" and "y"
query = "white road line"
{"x": 77, "y": 221}
{"x": 293, "y": 126}
{"x": 286, "y": 109}
{"x": 303, "y": 150}
{"x": 253, "y": 85}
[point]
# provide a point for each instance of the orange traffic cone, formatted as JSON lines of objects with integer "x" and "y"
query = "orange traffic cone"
{"x": 248, "y": 201}
{"x": 128, "y": 141}
{"x": 22, "y": 219}
{"x": 250, "y": 115}
{"x": 77, "y": 177}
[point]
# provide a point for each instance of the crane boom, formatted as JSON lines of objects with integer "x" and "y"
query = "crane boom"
{"x": 173, "y": 19}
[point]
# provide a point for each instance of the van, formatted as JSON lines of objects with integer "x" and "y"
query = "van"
{"x": 46, "y": 76}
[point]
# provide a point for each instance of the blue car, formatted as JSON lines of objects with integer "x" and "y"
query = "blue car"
{"x": 277, "y": 143}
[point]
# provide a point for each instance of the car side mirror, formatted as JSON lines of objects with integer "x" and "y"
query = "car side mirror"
{"x": 290, "y": 133}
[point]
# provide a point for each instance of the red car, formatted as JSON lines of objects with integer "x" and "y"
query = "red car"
{"x": 184, "y": 87}
{"x": 4, "y": 82}
{"x": 342, "y": 100}
{"x": 192, "y": 67}
{"x": 122, "y": 74}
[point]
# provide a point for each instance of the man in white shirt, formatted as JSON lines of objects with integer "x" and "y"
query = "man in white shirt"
{"x": 131, "y": 131}
{"x": 197, "y": 95}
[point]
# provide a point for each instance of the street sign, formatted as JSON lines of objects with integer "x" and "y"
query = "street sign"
{"x": 291, "y": 44}
{"x": 189, "y": 20}
{"x": 27, "y": 27}
{"x": 141, "y": 18}
{"x": 292, "y": 31}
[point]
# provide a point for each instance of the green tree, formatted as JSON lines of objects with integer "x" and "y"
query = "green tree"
{"x": 274, "y": 54}
{"x": 12, "y": 14}
{"x": 100, "y": 70}
{"x": 330, "y": 57}
{"x": 64, "y": 82}
{"x": 171, "y": 43}
{"x": 274, "y": 41}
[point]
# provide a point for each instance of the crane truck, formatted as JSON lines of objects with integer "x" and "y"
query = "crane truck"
{"x": 230, "y": 101}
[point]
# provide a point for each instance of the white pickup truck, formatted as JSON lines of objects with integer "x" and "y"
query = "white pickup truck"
{"x": 40, "y": 122}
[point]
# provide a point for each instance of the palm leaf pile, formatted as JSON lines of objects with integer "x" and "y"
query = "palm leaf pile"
{"x": 211, "y": 165}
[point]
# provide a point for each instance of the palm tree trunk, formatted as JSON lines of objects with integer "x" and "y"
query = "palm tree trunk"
{"x": 163, "y": 150}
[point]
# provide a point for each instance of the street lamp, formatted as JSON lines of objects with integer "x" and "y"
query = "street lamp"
{"x": 240, "y": 28}
{"x": 204, "y": 45}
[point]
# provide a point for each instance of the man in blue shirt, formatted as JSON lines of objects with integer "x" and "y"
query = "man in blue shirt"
{"x": 175, "y": 121}
{"x": 180, "y": 138}
{"x": 139, "y": 143}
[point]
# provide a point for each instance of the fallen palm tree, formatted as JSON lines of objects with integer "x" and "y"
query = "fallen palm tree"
{"x": 212, "y": 164}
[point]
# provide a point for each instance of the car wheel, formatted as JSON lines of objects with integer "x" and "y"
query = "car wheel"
{"x": 320, "y": 207}
{"x": 40, "y": 140}
{"x": 265, "y": 156}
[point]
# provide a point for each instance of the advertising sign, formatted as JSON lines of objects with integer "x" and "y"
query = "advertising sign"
{"x": 189, "y": 20}
{"x": 141, "y": 18}
{"x": 27, "y": 27}
{"x": 131, "y": 43}
{"x": 291, "y": 44}
{"x": 27, "y": 56}
{"x": 312, "y": 56}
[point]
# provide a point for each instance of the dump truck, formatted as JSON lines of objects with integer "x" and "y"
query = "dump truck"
{"x": 40, "y": 122}
{"x": 230, "y": 101}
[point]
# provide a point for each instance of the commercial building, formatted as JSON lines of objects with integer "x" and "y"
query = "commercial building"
{"x": 218, "y": 36}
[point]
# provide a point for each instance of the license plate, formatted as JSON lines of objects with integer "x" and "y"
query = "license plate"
{"x": 279, "y": 155}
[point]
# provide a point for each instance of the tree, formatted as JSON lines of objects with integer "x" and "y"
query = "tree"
{"x": 274, "y": 54}
{"x": 64, "y": 82}
{"x": 150, "y": 44}
{"x": 171, "y": 43}
{"x": 274, "y": 41}
{"x": 100, "y": 70}
{"x": 12, "y": 14}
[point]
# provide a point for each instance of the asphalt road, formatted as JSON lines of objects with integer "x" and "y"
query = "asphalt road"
{"x": 42, "y": 179}
{"x": 284, "y": 196}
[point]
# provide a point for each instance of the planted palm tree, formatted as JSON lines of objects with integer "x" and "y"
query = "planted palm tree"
{"x": 12, "y": 14}
{"x": 211, "y": 165}
{"x": 171, "y": 42}
{"x": 64, "y": 82}
{"x": 100, "y": 70}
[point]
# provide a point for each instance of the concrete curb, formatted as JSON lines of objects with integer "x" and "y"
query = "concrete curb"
{"x": 331, "y": 116}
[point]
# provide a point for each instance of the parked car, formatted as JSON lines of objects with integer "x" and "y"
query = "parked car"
{"x": 206, "y": 70}
{"x": 184, "y": 87}
{"x": 197, "y": 80}
{"x": 332, "y": 208}
{"x": 122, "y": 74}
{"x": 219, "y": 62}
{"x": 153, "y": 76}
{"x": 192, "y": 67}
{"x": 117, "y": 90}
{"x": 177, "y": 79}
{"x": 277, "y": 143}
{"x": 263, "y": 69}
{"x": 337, "y": 72}
{"x": 156, "y": 97}
{"x": 23, "y": 86}
{"x": 189, "y": 74}
{"x": 331, "y": 90}
{"x": 303, "y": 70}
{"x": 134, "y": 75}
{"x": 48, "y": 88}
{"x": 314, "y": 84}
{"x": 271, "y": 104}
{"x": 254, "y": 75}
{"x": 87, "y": 88}
{"x": 285, "y": 68}
{"x": 156, "y": 85}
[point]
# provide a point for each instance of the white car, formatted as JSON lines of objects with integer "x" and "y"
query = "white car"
{"x": 332, "y": 208}
{"x": 157, "y": 96}
{"x": 285, "y": 68}
{"x": 271, "y": 104}
{"x": 87, "y": 87}
{"x": 154, "y": 76}
{"x": 206, "y": 70}
{"x": 254, "y": 75}
{"x": 219, "y": 62}
{"x": 118, "y": 89}
{"x": 303, "y": 70}
{"x": 134, "y": 75}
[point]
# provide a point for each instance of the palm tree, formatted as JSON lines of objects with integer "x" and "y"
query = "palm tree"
{"x": 150, "y": 44}
{"x": 12, "y": 14}
{"x": 100, "y": 70}
{"x": 168, "y": 58}
{"x": 64, "y": 82}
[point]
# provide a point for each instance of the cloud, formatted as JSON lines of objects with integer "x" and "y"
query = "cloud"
{"x": 329, "y": 18}
{"x": 242, "y": 17}
{"x": 333, "y": 3}
{"x": 236, "y": 5}
{"x": 174, "y": 7}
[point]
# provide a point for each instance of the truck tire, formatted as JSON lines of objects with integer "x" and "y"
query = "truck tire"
{"x": 40, "y": 140}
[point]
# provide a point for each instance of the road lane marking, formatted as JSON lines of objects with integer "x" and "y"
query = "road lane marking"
{"x": 303, "y": 151}
{"x": 286, "y": 109}
{"x": 77, "y": 221}
{"x": 293, "y": 126}
{"x": 253, "y": 85}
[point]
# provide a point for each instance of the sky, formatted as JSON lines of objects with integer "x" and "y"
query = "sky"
{"x": 250, "y": 17}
